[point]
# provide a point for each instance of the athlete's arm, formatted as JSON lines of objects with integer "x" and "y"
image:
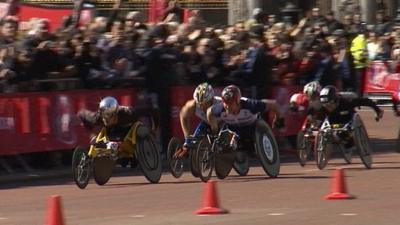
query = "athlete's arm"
{"x": 271, "y": 105}
{"x": 369, "y": 103}
{"x": 186, "y": 112}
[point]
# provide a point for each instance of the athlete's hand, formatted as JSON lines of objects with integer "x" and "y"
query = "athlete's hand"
{"x": 181, "y": 152}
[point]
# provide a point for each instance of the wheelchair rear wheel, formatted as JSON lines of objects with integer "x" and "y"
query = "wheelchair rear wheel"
{"x": 149, "y": 157}
{"x": 267, "y": 149}
{"x": 205, "y": 160}
{"x": 362, "y": 143}
{"x": 175, "y": 164}
{"x": 102, "y": 169}
{"x": 81, "y": 167}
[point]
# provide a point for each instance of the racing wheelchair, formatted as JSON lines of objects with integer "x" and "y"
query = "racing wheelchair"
{"x": 176, "y": 165}
{"x": 229, "y": 150}
{"x": 200, "y": 144}
{"x": 306, "y": 142}
{"x": 338, "y": 134}
{"x": 138, "y": 144}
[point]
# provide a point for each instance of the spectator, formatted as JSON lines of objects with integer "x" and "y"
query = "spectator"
{"x": 173, "y": 12}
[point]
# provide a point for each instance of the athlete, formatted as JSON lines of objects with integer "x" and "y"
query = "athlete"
{"x": 203, "y": 98}
{"x": 239, "y": 113}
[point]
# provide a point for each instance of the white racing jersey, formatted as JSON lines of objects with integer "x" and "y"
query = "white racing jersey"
{"x": 203, "y": 115}
{"x": 247, "y": 115}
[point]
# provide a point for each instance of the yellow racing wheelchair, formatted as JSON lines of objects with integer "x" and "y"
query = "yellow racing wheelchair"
{"x": 107, "y": 149}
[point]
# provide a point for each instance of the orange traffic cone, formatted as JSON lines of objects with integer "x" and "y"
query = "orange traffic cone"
{"x": 338, "y": 187}
{"x": 210, "y": 201}
{"x": 54, "y": 211}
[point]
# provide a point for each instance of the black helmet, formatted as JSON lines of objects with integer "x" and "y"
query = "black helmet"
{"x": 328, "y": 94}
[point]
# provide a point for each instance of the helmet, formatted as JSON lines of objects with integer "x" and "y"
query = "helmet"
{"x": 328, "y": 94}
{"x": 231, "y": 94}
{"x": 108, "y": 105}
{"x": 298, "y": 102}
{"x": 312, "y": 89}
{"x": 203, "y": 93}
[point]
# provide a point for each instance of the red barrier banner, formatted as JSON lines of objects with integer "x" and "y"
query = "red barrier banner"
{"x": 293, "y": 121}
{"x": 380, "y": 80}
{"x": 32, "y": 122}
{"x": 54, "y": 15}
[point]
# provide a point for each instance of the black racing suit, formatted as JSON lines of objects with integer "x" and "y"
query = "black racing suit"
{"x": 344, "y": 113}
{"x": 345, "y": 109}
{"x": 126, "y": 117}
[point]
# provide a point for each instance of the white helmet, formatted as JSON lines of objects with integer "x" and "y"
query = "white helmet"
{"x": 312, "y": 89}
{"x": 109, "y": 104}
{"x": 203, "y": 93}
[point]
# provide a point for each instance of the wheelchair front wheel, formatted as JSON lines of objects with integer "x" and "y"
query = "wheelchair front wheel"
{"x": 205, "y": 160}
{"x": 175, "y": 164}
{"x": 102, "y": 169}
{"x": 362, "y": 143}
{"x": 81, "y": 167}
{"x": 322, "y": 150}
{"x": 346, "y": 152}
{"x": 304, "y": 147}
{"x": 241, "y": 163}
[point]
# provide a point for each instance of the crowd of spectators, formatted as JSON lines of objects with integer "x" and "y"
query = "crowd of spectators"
{"x": 123, "y": 50}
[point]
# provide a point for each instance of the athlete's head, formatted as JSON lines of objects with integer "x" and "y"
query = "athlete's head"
{"x": 108, "y": 108}
{"x": 203, "y": 95}
{"x": 231, "y": 99}
{"x": 312, "y": 90}
{"x": 329, "y": 97}
{"x": 298, "y": 102}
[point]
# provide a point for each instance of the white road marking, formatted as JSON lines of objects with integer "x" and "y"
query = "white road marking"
{"x": 136, "y": 216}
{"x": 3, "y": 218}
{"x": 276, "y": 214}
{"x": 348, "y": 214}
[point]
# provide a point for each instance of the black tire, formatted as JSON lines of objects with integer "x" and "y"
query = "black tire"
{"x": 241, "y": 163}
{"x": 267, "y": 149}
{"x": 148, "y": 156}
{"x": 81, "y": 167}
{"x": 347, "y": 153}
{"x": 102, "y": 169}
{"x": 322, "y": 151}
{"x": 205, "y": 159}
{"x": 175, "y": 165}
{"x": 223, "y": 162}
{"x": 193, "y": 162}
{"x": 362, "y": 142}
{"x": 304, "y": 147}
